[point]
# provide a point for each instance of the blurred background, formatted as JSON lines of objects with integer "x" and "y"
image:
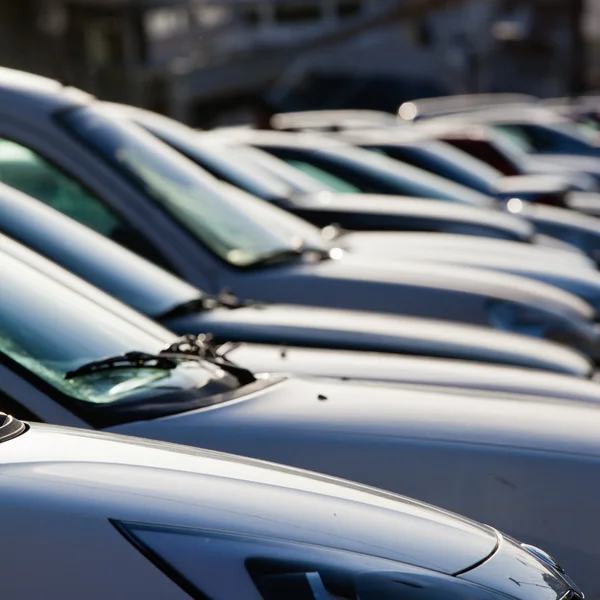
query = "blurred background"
{"x": 214, "y": 62}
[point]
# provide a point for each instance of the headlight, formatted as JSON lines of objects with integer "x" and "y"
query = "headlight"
{"x": 214, "y": 564}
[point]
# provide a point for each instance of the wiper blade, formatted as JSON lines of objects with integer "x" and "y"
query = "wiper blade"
{"x": 129, "y": 360}
{"x": 203, "y": 347}
{"x": 277, "y": 257}
{"x": 290, "y": 253}
{"x": 224, "y": 299}
{"x": 190, "y": 307}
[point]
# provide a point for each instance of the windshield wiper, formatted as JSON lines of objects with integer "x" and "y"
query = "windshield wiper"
{"x": 290, "y": 253}
{"x": 129, "y": 360}
{"x": 202, "y": 346}
{"x": 224, "y": 299}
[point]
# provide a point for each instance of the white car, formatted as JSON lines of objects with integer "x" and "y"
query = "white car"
{"x": 110, "y": 174}
{"x": 99, "y": 516}
{"x": 523, "y": 464}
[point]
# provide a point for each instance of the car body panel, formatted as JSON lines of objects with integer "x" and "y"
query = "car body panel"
{"x": 321, "y": 328}
{"x": 396, "y": 213}
{"x": 400, "y": 280}
{"x": 512, "y": 463}
{"x": 561, "y": 269}
{"x": 415, "y": 371}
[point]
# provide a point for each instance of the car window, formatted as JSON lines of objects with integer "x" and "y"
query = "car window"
{"x": 23, "y": 169}
{"x": 239, "y": 228}
{"x": 448, "y": 162}
{"x": 50, "y": 330}
{"x": 336, "y": 184}
{"x": 373, "y": 173}
{"x": 28, "y": 172}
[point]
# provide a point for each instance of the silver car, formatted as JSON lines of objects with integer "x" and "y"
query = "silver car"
{"x": 102, "y": 516}
{"x": 110, "y": 174}
{"x": 509, "y": 460}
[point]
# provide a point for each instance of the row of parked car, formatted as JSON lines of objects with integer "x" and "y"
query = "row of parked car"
{"x": 350, "y": 293}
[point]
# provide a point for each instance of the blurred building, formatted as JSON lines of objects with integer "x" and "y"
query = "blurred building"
{"x": 196, "y": 58}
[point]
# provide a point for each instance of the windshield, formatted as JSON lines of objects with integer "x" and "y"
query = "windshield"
{"x": 240, "y": 229}
{"x": 370, "y": 172}
{"x": 50, "y": 330}
{"x": 220, "y": 161}
{"x": 446, "y": 161}
{"x": 107, "y": 265}
{"x": 558, "y": 138}
{"x": 298, "y": 182}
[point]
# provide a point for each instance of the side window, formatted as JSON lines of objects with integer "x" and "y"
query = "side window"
{"x": 25, "y": 170}
{"x": 330, "y": 180}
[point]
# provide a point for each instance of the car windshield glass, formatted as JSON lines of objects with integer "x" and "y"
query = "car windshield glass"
{"x": 446, "y": 161}
{"x": 298, "y": 182}
{"x": 407, "y": 180}
{"x": 214, "y": 157}
{"x": 50, "y": 330}
{"x": 240, "y": 229}
{"x": 105, "y": 264}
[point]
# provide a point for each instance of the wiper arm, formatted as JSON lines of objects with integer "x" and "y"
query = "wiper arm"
{"x": 224, "y": 299}
{"x": 277, "y": 257}
{"x": 136, "y": 360}
{"x": 283, "y": 255}
{"x": 203, "y": 347}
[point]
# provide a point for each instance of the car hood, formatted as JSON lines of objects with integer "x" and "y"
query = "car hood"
{"x": 414, "y": 210}
{"x": 304, "y": 410}
{"x": 565, "y": 270}
{"x": 125, "y": 479}
{"x": 416, "y": 371}
{"x": 289, "y": 325}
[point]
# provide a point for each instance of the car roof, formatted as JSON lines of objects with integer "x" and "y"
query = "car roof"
{"x": 392, "y": 137}
{"x": 447, "y": 105}
{"x": 324, "y": 119}
{"x": 263, "y": 137}
{"x": 23, "y": 95}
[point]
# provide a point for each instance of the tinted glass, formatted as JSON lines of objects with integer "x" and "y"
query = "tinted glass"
{"x": 329, "y": 180}
{"x": 220, "y": 161}
{"x": 372, "y": 173}
{"x": 28, "y": 172}
{"x": 108, "y": 266}
{"x": 238, "y": 228}
{"x": 25, "y": 170}
{"x": 445, "y": 161}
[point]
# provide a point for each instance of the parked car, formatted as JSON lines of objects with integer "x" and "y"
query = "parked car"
{"x": 370, "y": 212}
{"x": 320, "y": 204}
{"x": 68, "y": 360}
{"x": 167, "y": 521}
{"x": 506, "y": 155}
{"x": 311, "y": 343}
{"x": 360, "y": 172}
{"x": 141, "y": 193}
{"x": 537, "y": 129}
